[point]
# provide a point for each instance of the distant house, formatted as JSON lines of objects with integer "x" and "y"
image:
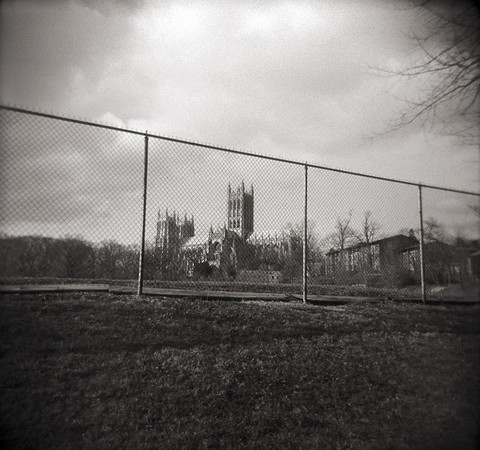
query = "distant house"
{"x": 443, "y": 262}
{"x": 362, "y": 263}
{"x": 396, "y": 260}
{"x": 473, "y": 265}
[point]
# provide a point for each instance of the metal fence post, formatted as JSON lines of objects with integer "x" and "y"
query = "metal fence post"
{"x": 142, "y": 245}
{"x": 305, "y": 237}
{"x": 422, "y": 257}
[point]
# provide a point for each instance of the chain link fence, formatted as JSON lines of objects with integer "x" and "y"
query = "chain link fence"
{"x": 98, "y": 203}
{"x": 71, "y": 199}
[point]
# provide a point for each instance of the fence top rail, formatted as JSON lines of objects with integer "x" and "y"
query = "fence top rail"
{"x": 228, "y": 150}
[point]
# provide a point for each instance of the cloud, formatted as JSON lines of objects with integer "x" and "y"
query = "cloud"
{"x": 113, "y": 6}
{"x": 289, "y": 79}
{"x": 56, "y": 55}
{"x": 61, "y": 178}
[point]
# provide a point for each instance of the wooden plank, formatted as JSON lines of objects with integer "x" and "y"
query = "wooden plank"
{"x": 40, "y": 288}
{"x": 235, "y": 295}
{"x": 200, "y": 294}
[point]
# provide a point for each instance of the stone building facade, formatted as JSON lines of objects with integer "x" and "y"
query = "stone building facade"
{"x": 233, "y": 251}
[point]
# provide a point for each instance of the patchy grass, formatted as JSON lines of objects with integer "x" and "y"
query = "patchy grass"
{"x": 470, "y": 291}
{"x": 103, "y": 371}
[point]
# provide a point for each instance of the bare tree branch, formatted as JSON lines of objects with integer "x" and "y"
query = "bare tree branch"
{"x": 343, "y": 231}
{"x": 369, "y": 229}
{"x": 451, "y": 49}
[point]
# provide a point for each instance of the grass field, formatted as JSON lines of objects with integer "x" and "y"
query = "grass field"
{"x": 105, "y": 371}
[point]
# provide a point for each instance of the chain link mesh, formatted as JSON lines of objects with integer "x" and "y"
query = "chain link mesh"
{"x": 451, "y": 244}
{"x": 221, "y": 218}
{"x": 362, "y": 226}
{"x": 72, "y": 208}
{"x": 71, "y": 200}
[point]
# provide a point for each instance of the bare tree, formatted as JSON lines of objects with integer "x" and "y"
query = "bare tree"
{"x": 76, "y": 256}
{"x": 293, "y": 263}
{"x": 343, "y": 231}
{"x": 450, "y": 45}
{"x": 433, "y": 230}
{"x": 369, "y": 229}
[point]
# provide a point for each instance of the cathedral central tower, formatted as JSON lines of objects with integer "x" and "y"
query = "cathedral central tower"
{"x": 240, "y": 210}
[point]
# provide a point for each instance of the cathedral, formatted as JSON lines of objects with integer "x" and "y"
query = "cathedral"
{"x": 232, "y": 252}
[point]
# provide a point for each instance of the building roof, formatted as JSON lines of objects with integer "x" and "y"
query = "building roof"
{"x": 435, "y": 243}
{"x": 395, "y": 236}
{"x": 198, "y": 240}
{"x": 268, "y": 235}
{"x": 377, "y": 241}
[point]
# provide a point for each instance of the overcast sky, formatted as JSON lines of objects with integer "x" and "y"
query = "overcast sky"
{"x": 290, "y": 79}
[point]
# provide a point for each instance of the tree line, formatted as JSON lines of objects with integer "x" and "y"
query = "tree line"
{"x": 69, "y": 257}
{"x": 75, "y": 257}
